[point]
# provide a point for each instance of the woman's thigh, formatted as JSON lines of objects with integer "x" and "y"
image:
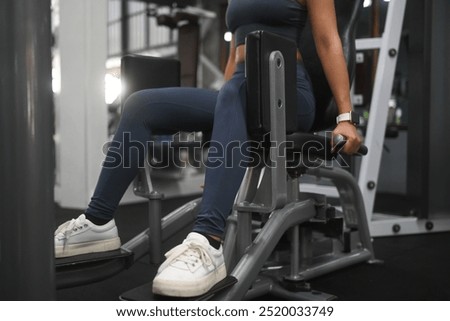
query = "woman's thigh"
{"x": 173, "y": 109}
{"x": 305, "y": 100}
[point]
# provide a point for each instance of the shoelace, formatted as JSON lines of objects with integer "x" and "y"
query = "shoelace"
{"x": 190, "y": 253}
{"x": 67, "y": 228}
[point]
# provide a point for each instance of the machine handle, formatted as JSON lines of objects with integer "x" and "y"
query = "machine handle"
{"x": 339, "y": 142}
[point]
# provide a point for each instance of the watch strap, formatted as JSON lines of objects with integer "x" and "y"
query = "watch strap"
{"x": 349, "y": 116}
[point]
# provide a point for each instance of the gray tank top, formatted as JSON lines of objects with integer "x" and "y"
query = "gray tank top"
{"x": 286, "y": 18}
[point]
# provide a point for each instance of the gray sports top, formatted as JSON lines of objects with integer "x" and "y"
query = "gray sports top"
{"x": 283, "y": 17}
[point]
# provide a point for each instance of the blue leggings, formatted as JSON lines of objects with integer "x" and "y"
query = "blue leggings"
{"x": 188, "y": 109}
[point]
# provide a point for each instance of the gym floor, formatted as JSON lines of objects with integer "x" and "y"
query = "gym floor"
{"x": 415, "y": 267}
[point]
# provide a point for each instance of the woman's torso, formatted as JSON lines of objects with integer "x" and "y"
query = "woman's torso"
{"x": 283, "y": 17}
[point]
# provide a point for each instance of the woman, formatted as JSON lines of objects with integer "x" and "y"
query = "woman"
{"x": 194, "y": 266}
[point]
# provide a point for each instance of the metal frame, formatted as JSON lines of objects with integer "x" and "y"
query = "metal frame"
{"x": 388, "y": 44}
{"x": 387, "y": 61}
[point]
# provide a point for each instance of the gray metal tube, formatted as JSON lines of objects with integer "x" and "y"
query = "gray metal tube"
{"x": 26, "y": 152}
{"x": 171, "y": 224}
{"x": 154, "y": 216}
{"x": 351, "y": 200}
{"x": 251, "y": 263}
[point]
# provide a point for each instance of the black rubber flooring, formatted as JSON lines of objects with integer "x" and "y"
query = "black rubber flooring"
{"x": 414, "y": 267}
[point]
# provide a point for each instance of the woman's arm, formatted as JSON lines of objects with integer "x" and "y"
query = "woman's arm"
{"x": 329, "y": 48}
{"x": 231, "y": 63}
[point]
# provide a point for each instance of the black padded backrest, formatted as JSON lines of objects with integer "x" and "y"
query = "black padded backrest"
{"x": 142, "y": 72}
{"x": 347, "y": 13}
{"x": 259, "y": 46}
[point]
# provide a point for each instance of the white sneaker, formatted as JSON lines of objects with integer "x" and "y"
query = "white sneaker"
{"x": 81, "y": 236}
{"x": 191, "y": 268}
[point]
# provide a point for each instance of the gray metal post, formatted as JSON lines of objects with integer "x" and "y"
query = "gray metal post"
{"x": 26, "y": 152}
{"x": 155, "y": 230}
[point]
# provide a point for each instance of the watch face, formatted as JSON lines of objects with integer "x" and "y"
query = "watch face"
{"x": 355, "y": 118}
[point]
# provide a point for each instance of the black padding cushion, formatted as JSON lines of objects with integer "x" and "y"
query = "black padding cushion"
{"x": 143, "y": 72}
{"x": 259, "y": 46}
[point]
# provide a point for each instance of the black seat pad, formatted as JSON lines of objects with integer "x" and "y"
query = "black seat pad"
{"x": 310, "y": 145}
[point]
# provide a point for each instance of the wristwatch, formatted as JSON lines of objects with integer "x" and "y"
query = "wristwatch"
{"x": 351, "y": 116}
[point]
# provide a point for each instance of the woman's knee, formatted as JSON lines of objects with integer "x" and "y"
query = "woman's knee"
{"x": 135, "y": 103}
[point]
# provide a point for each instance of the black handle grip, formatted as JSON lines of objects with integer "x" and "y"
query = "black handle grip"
{"x": 363, "y": 150}
{"x": 339, "y": 142}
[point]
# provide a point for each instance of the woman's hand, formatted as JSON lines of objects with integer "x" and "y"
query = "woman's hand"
{"x": 348, "y": 130}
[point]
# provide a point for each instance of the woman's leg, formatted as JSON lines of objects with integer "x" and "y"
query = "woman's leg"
{"x": 306, "y": 103}
{"x": 194, "y": 266}
{"x": 224, "y": 175}
{"x": 189, "y": 109}
{"x": 225, "y": 168}
{"x": 173, "y": 109}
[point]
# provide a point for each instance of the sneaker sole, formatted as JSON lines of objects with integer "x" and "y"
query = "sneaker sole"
{"x": 88, "y": 247}
{"x": 189, "y": 289}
